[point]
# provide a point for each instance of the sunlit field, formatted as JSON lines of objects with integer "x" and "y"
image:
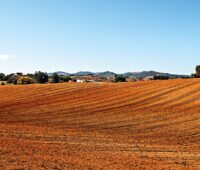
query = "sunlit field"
{"x": 138, "y": 125}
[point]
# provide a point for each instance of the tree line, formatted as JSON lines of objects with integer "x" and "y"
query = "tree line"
{"x": 42, "y": 77}
{"x": 38, "y": 77}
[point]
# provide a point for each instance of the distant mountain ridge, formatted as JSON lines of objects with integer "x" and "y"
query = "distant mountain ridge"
{"x": 152, "y": 73}
{"x": 141, "y": 74}
{"x": 106, "y": 74}
{"x": 60, "y": 73}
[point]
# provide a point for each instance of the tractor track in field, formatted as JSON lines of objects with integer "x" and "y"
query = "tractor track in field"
{"x": 139, "y": 125}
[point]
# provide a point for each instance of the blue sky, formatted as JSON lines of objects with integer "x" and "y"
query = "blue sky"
{"x": 99, "y": 35}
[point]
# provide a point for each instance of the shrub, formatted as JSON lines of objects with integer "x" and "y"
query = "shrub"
{"x": 160, "y": 77}
{"x": 25, "y": 80}
{"x": 65, "y": 78}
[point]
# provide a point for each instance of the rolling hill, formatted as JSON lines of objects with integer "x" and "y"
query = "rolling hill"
{"x": 140, "y": 125}
{"x": 141, "y": 74}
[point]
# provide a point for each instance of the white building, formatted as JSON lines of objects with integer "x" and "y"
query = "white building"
{"x": 80, "y": 81}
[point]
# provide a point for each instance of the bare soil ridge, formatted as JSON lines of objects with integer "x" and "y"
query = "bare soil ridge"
{"x": 141, "y": 125}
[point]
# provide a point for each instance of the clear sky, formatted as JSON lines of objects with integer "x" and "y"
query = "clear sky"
{"x": 99, "y": 35}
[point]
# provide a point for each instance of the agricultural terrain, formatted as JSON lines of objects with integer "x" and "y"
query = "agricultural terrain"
{"x": 138, "y": 125}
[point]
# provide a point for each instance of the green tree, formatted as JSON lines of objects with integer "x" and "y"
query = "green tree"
{"x": 41, "y": 77}
{"x": 2, "y": 76}
{"x": 30, "y": 75}
{"x": 12, "y": 79}
{"x": 8, "y": 76}
{"x": 55, "y": 78}
{"x": 19, "y": 73}
{"x": 120, "y": 78}
{"x": 197, "y": 71}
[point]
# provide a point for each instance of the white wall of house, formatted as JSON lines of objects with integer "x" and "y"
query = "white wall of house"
{"x": 80, "y": 81}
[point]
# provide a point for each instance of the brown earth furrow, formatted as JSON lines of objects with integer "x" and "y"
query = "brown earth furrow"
{"x": 139, "y": 125}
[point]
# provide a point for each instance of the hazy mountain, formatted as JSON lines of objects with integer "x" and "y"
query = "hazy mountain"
{"x": 140, "y": 74}
{"x": 143, "y": 74}
{"x": 106, "y": 74}
{"x": 60, "y": 73}
{"x": 151, "y": 73}
{"x": 127, "y": 74}
{"x": 83, "y": 73}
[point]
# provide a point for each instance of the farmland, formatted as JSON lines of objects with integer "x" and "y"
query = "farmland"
{"x": 138, "y": 125}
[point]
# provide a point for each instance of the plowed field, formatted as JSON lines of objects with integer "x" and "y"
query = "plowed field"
{"x": 139, "y": 125}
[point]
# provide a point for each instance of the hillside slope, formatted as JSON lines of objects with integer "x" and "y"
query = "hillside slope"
{"x": 141, "y": 125}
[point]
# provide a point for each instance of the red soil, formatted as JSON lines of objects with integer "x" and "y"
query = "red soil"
{"x": 139, "y": 125}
